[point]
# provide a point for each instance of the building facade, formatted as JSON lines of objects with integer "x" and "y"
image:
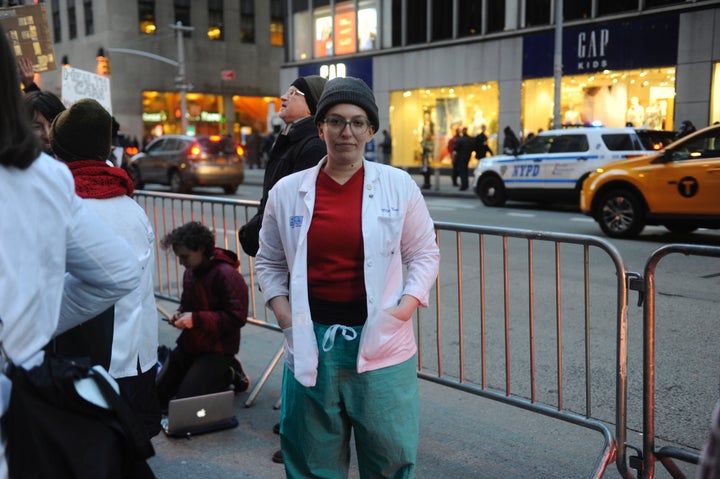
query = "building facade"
{"x": 438, "y": 66}
{"x": 231, "y": 60}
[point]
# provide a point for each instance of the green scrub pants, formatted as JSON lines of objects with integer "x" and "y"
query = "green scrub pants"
{"x": 380, "y": 407}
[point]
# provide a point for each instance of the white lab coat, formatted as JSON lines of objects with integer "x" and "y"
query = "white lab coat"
{"x": 396, "y": 228}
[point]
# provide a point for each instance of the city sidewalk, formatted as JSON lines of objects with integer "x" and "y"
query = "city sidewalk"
{"x": 440, "y": 182}
{"x": 461, "y": 435}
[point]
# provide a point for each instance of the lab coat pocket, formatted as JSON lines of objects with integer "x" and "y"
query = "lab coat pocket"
{"x": 387, "y": 337}
{"x": 390, "y": 233}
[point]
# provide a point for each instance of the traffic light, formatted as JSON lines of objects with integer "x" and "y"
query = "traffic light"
{"x": 103, "y": 63}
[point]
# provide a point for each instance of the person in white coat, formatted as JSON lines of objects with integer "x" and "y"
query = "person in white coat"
{"x": 333, "y": 244}
{"x": 124, "y": 338}
{"x": 46, "y": 230}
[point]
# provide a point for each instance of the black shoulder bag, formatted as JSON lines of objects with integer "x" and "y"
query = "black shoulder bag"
{"x": 53, "y": 432}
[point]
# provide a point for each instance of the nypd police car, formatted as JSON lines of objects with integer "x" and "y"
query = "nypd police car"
{"x": 678, "y": 187}
{"x": 553, "y": 165}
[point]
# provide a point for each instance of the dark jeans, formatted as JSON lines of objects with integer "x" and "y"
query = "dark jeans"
{"x": 187, "y": 375}
{"x": 141, "y": 394}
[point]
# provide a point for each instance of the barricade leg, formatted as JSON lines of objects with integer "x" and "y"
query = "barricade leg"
{"x": 265, "y": 375}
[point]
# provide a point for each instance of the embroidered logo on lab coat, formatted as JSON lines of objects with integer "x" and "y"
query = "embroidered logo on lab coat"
{"x": 296, "y": 221}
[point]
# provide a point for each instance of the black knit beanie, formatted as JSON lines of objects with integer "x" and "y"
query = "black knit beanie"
{"x": 82, "y": 132}
{"x": 348, "y": 90}
{"x": 312, "y": 87}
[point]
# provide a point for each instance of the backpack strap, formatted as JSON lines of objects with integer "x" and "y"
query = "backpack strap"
{"x": 126, "y": 417}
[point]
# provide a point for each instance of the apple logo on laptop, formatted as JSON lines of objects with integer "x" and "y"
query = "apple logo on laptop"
{"x": 201, "y": 413}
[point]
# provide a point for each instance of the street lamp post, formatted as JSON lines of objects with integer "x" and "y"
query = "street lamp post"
{"x": 557, "y": 62}
{"x": 180, "y": 80}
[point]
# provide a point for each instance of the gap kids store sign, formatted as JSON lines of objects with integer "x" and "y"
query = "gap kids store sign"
{"x": 624, "y": 45}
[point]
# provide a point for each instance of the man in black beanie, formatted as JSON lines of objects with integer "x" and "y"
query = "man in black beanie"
{"x": 296, "y": 148}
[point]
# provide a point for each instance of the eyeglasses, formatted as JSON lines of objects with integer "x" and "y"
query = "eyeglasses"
{"x": 293, "y": 92}
{"x": 358, "y": 125}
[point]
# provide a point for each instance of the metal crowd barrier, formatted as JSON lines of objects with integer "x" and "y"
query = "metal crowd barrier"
{"x": 508, "y": 320}
{"x": 650, "y": 454}
{"x": 516, "y": 303}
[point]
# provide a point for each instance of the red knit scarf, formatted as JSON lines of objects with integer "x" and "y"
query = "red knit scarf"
{"x": 97, "y": 179}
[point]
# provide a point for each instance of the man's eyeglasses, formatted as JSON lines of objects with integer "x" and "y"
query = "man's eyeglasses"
{"x": 293, "y": 92}
{"x": 358, "y": 125}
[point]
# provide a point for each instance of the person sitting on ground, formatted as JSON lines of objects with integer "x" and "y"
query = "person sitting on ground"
{"x": 124, "y": 338}
{"x": 213, "y": 308}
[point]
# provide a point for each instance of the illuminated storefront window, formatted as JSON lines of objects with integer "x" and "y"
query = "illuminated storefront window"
{"x": 715, "y": 95}
{"x": 422, "y": 121}
{"x": 162, "y": 112}
{"x": 338, "y": 31}
{"x": 643, "y": 98}
{"x": 614, "y": 74}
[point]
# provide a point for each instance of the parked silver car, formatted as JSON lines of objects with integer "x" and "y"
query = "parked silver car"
{"x": 183, "y": 162}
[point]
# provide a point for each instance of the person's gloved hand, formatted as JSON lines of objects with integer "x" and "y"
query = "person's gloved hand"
{"x": 289, "y": 351}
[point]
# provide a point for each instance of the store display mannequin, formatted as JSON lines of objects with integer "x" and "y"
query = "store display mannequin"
{"x": 478, "y": 121}
{"x": 635, "y": 113}
{"x": 572, "y": 116}
{"x": 654, "y": 116}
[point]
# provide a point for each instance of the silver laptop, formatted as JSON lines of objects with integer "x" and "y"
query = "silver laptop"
{"x": 200, "y": 414}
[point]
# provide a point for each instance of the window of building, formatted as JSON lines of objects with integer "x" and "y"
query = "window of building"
{"x": 182, "y": 14}
{"x": 442, "y": 20}
{"x": 57, "y": 31}
{"x": 215, "y": 20}
{"x": 72, "y": 20}
{"x": 609, "y": 7}
{"x": 397, "y": 27}
{"x": 642, "y": 97}
{"x": 423, "y": 121}
{"x": 537, "y": 12}
{"x": 416, "y": 14}
{"x": 715, "y": 95}
{"x": 247, "y": 21}
{"x": 301, "y": 28}
{"x": 577, "y": 10}
{"x": 277, "y": 18}
{"x": 495, "y": 16}
{"x": 367, "y": 20}
{"x": 89, "y": 20}
{"x": 469, "y": 18}
{"x": 345, "y": 29}
{"x": 146, "y": 14}
{"x": 323, "y": 27}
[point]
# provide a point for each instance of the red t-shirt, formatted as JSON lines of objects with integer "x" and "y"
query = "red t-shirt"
{"x": 335, "y": 243}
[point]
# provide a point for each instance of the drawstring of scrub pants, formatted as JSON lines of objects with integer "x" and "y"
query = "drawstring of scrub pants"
{"x": 329, "y": 340}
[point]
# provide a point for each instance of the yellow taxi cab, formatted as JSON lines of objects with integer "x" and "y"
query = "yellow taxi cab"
{"x": 678, "y": 187}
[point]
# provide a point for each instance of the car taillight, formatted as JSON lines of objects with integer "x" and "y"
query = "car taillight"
{"x": 195, "y": 150}
{"x": 215, "y": 138}
{"x": 239, "y": 150}
{"x": 131, "y": 150}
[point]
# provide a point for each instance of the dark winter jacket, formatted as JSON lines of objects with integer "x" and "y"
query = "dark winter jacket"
{"x": 300, "y": 149}
{"x": 217, "y": 296}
